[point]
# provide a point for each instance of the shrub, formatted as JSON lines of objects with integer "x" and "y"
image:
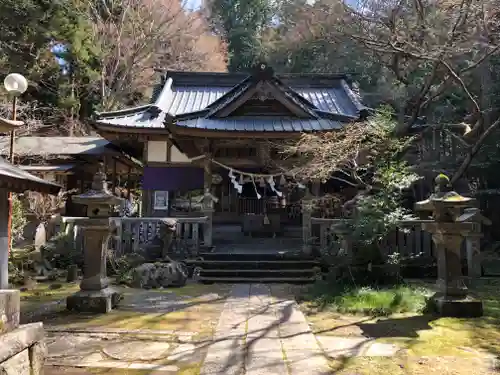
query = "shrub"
{"x": 60, "y": 251}
{"x": 368, "y": 300}
{"x": 18, "y": 219}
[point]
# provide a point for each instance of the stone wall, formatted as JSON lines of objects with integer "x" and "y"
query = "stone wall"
{"x": 22, "y": 347}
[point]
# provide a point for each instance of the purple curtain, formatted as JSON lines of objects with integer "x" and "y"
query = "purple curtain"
{"x": 172, "y": 178}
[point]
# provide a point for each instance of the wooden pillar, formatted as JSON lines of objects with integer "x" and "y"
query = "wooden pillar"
{"x": 4, "y": 239}
{"x": 114, "y": 175}
{"x": 145, "y": 199}
{"x": 129, "y": 182}
{"x": 208, "y": 204}
{"x": 316, "y": 188}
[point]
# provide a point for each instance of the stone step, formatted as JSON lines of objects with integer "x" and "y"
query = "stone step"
{"x": 256, "y": 280}
{"x": 218, "y": 270}
{"x": 257, "y": 273}
{"x": 253, "y": 266}
{"x": 201, "y": 261}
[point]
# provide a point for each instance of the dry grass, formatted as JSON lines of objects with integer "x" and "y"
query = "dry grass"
{"x": 409, "y": 365}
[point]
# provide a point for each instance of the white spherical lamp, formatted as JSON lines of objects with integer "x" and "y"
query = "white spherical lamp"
{"x": 15, "y": 84}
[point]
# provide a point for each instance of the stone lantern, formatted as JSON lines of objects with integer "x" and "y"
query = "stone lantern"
{"x": 95, "y": 294}
{"x": 452, "y": 214}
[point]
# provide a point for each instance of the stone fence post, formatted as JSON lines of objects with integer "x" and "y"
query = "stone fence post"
{"x": 22, "y": 347}
{"x": 473, "y": 252}
{"x": 307, "y": 208}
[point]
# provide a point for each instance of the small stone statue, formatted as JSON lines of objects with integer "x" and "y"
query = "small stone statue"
{"x": 99, "y": 183}
{"x": 208, "y": 200}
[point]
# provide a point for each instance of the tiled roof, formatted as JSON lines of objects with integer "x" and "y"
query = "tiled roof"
{"x": 26, "y": 146}
{"x": 17, "y": 180}
{"x": 184, "y": 93}
{"x": 259, "y": 124}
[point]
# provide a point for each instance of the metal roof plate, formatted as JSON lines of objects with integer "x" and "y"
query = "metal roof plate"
{"x": 256, "y": 124}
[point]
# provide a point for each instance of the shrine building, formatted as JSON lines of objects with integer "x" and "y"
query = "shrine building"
{"x": 212, "y": 133}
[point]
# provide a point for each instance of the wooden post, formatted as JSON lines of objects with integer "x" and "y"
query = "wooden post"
{"x": 316, "y": 188}
{"x": 114, "y": 176}
{"x": 4, "y": 239}
{"x": 145, "y": 201}
{"x": 208, "y": 204}
{"x": 129, "y": 182}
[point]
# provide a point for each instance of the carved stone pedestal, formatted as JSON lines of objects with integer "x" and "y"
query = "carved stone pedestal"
{"x": 95, "y": 295}
{"x": 94, "y": 301}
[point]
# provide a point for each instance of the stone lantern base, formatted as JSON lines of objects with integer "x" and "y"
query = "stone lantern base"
{"x": 466, "y": 307}
{"x": 94, "y": 301}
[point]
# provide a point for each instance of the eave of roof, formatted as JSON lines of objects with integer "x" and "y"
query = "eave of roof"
{"x": 150, "y": 116}
{"x": 17, "y": 180}
{"x": 266, "y": 125}
{"x": 47, "y": 168}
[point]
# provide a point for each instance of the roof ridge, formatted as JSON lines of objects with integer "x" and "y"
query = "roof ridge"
{"x": 262, "y": 74}
{"x": 170, "y": 73}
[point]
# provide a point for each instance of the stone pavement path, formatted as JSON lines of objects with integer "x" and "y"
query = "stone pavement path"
{"x": 260, "y": 334}
{"x": 257, "y": 333}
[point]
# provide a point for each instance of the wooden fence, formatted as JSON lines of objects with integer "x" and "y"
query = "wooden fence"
{"x": 133, "y": 232}
{"x": 409, "y": 239}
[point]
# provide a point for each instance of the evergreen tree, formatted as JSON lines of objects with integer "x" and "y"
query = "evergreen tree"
{"x": 243, "y": 23}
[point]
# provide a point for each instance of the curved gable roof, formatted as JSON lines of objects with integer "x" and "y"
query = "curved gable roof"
{"x": 183, "y": 97}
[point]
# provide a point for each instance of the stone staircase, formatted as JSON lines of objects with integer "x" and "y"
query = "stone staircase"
{"x": 255, "y": 268}
{"x": 236, "y": 258}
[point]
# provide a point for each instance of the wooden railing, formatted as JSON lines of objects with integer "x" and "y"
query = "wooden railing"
{"x": 133, "y": 232}
{"x": 256, "y": 206}
{"x": 409, "y": 239}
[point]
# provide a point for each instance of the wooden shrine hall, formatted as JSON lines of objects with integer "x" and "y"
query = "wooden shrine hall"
{"x": 208, "y": 136}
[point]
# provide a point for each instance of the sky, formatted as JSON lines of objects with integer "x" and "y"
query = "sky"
{"x": 193, "y": 4}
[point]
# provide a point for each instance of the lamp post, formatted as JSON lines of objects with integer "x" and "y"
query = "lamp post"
{"x": 15, "y": 84}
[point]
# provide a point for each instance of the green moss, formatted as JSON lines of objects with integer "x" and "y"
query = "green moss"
{"x": 442, "y": 176}
{"x": 371, "y": 301}
{"x": 418, "y": 335}
{"x": 414, "y": 365}
{"x": 42, "y": 294}
{"x": 191, "y": 369}
{"x": 113, "y": 371}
